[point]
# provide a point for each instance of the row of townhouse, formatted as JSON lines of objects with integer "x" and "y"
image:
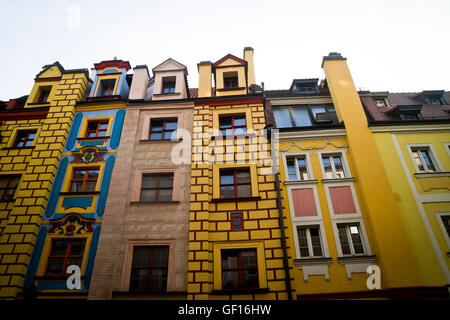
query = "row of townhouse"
{"x": 135, "y": 186}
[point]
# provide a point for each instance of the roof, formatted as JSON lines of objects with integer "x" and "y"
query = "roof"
{"x": 402, "y": 100}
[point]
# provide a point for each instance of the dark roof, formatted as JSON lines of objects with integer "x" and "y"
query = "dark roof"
{"x": 402, "y": 101}
{"x": 289, "y": 93}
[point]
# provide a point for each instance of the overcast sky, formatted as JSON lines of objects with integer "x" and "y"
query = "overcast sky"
{"x": 395, "y": 45}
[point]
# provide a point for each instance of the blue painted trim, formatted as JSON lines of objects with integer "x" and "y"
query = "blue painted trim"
{"x": 57, "y": 185}
{"x": 91, "y": 259}
{"x": 36, "y": 257}
{"x": 77, "y": 202}
{"x": 92, "y": 143}
{"x": 58, "y": 216}
{"x": 74, "y": 131}
{"x": 117, "y": 130}
{"x": 109, "y": 71}
{"x": 55, "y": 285}
{"x": 104, "y": 188}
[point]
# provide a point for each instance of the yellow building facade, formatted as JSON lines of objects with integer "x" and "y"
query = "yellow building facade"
{"x": 33, "y": 137}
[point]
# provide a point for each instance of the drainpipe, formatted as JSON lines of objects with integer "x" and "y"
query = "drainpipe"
{"x": 275, "y": 172}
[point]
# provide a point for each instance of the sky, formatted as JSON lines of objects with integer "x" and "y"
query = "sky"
{"x": 396, "y": 45}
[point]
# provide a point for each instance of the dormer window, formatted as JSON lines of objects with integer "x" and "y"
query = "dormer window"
{"x": 380, "y": 102}
{"x": 230, "y": 80}
{"x": 435, "y": 101}
{"x": 305, "y": 90}
{"x": 43, "y": 96}
{"x": 107, "y": 87}
{"x": 168, "y": 85}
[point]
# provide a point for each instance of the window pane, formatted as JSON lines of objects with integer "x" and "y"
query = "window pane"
{"x": 77, "y": 247}
{"x": 55, "y": 266}
{"x": 320, "y": 114}
{"x": 78, "y": 174}
{"x": 292, "y": 175}
{"x": 90, "y": 186}
{"x": 138, "y": 279}
{"x": 74, "y": 261}
{"x": 93, "y": 174}
{"x": 301, "y": 117}
{"x": 160, "y": 258}
{"x": 250, "y": 278}
{"x": 159, "y": 279}
{"x": 239, "y": 121}
{"x": 418, "y": 161}
{"x": 59, "y": 248}
{"x": 165, "y": 195}
{"x": 248, "y": 259}
{"x": 156, "y": 125}
{"x": 301, "y": 163}
{"x": 338, "y": 167}
{"x": 244, "y": 191}
{"x": 76, "y": 186}
{"x": 315, "y": 242}
{"x": 225, "y": 122}
{"x": 446, "y": 222}
{"x": 227, "y": 178}
{"x": 229, "y": 259}
{"x": 149, "y": 181}
{"x": 240, "y": 131}
{"x": 282, "y": 118}
{"x": 148, "y": 195}
{"x": 230, "y": 279}
{"x": 303, "y": 242}
{"x": 356, "y": 239}
{"x": 156, "y": 136}
{"x": 243, "y": 177}
{"x": 227, "y": 192}
{"x": 166, "y": 181}
{"x": 327, "y": 167}
{"x": 428, "y": 162}
{"x": 141, "y": 257}
{"x": 343, "y": 240}
{"x": 171, "y": 124}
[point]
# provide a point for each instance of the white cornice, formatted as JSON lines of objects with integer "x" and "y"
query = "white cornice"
{"x": 411, "y": 128}
{"x": 313, "y": 134}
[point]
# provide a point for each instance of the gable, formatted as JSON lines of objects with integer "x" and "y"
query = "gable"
{"x": 169, "y": 65}
{"x": 230, "y": 60}
{"x": 51, "y": 71}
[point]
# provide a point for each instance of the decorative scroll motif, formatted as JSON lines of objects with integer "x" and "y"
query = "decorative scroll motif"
{"x": 71, "y": 225}
{"x": 314, "y": 149}
{"x": 88, "y": 156}
{"x": 237, "y": 221}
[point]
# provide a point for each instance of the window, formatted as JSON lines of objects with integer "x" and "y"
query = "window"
{"x": 350, "y": 239}
{"x": 229, "y": 125}
{"x": 333, "y": 166}
{"x": 297, "y": 168}
{"x": 64, "y": 253}
{"x": 157, "y": 187}
{"x": 96, "y": 129}
{"x": 410, "y": 116}
{"x": 309, "y": 241}
{"x": 239, "y": 269}
{"x": 423, "y": 159}
{"x": 304, "y": 116}
{"x": 84, "y": 179}
{"x": 446, "y": 222}
{"x": 380, "y": 102}
{"x": 168, "y": 85}
{"x": 235, "y": 183}
{"x": 24, "y": 138}
{"x": 230, "y": 80}
{"x": 149, "y": 269}
{"x": 304, "y": 90}
{"x": 8, "y": 187}
{"x": 163, "y": 129}
{"x": 435, "y": 101}
{"x": 107, "y": 87}
{"x": 43, "y": 96}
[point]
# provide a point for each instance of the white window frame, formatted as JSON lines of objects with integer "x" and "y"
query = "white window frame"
{"x": 363, "y": 235}
{"x": 442, "y": 226}
{"x": 298, "y": 155}
{"x": 323, "y": 239}
{"x": 345, "y": 166}
{"x": 355, "y": 200}
{"x": 447, "y": 148}
{"x": 432, "y": 153}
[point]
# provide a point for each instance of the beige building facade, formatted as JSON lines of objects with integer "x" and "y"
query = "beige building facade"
{"x": 143, "y": 246}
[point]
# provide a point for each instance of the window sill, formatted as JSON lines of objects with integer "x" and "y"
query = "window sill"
{"x": 313, "y": 261}
{"x": 160, "y": 140}
{"x": 235, "y": 199}
{"x": 155, "y": 202}
{"x": 231, "y": 89}
{"x": 103, "y": 97}
{"x": 167, "y": 94}
{"x": 239, "y": 291}
{"x": 92, "y": 193}
{"x": 92, "y": 138}
{"x": 296, "y": 182}
{"x": 432, "y": 174}
{"x": 337, "y": 180}
{"x": 241, "y": 135}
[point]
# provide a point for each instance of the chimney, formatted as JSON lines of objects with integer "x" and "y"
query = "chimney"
{"x": 204, "y": 79}
{"x": 139, "y": 83}
{"x": 248, "y": 56}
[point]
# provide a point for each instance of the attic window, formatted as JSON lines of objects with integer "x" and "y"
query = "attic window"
{"x": 435, "y": 101}
{"x": 168, "y": 85}
{"x": 44, "y": 94}
{"x": 230, "y": 80}
{"x": 107, "y": 87}
{"x": 380, "y": 102}
{"x": 305, "y": 89}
